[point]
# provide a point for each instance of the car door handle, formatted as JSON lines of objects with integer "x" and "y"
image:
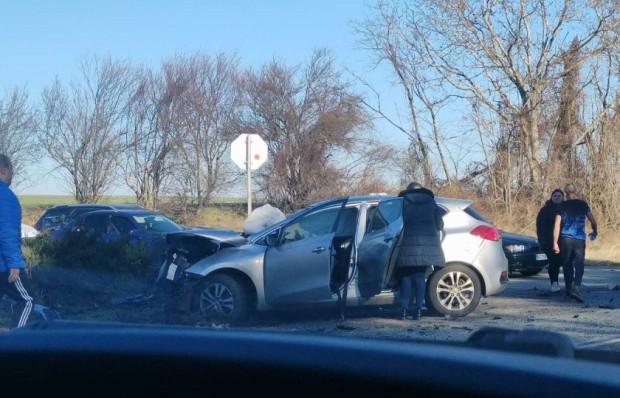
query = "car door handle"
{"x": 388, "y": 239}
{"x": 318, "y": 249}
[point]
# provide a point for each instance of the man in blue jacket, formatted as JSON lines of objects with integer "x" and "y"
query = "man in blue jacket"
{"x": 11, "y": 258}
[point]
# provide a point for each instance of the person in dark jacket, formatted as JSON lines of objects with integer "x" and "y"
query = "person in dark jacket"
{"x": 545, "y": 222}
{"x": 11, "y": 259}
{"x": 420, "y": 246}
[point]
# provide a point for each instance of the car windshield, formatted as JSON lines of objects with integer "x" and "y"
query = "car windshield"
{"x": 427, "y": 170}
{"x": 156, "y": 223}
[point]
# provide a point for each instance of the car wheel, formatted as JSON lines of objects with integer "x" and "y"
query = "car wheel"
{"x": 531, "y": 272}
{"x": 454, "y": 290}
{"x": 223, "y": 298}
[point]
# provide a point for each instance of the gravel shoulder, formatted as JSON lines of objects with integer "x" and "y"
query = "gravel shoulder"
{"x": 527, "y": 303}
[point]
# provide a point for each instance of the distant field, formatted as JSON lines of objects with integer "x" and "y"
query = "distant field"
{"x": 214, "y": 216}
{"x": 52, "y": 200}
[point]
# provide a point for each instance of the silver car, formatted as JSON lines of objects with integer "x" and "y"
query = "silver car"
{"x": 339, "y": 252}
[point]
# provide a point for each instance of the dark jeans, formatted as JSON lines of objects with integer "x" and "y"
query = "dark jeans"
{"x": 573, "y": 260}
{"x": 555, "y": 262}
{"x": 405, "y": 289}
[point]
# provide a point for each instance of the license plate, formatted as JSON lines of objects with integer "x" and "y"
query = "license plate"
{"x": 171, "y": 271}
{"x": 541, "y": 257}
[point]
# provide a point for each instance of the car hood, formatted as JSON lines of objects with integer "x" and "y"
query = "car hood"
{"x": 512, "y": 238}
{"x": 227, "y": 236}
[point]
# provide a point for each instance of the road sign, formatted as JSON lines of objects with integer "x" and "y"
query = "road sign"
{"x": 249, "y": 152}
{"x": 257, "y": 151}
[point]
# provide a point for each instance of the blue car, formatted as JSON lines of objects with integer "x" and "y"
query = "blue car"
{"x": 112, "y": 225}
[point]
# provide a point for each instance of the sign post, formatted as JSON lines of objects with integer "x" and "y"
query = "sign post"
{"x": 249, "y": 152}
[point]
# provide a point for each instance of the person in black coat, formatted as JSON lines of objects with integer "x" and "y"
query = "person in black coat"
{"x": 420, "y": 246}
{"x": 545, "y": 221}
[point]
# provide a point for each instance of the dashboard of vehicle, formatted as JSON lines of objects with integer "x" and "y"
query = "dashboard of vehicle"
{"x": 65, "y": 358}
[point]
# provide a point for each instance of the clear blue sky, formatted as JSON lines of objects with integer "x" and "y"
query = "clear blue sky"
{"x": 43, "y": 39}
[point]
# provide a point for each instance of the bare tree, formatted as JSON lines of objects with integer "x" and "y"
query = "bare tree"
{"x": 208, "y": 119}
{"x": 150, "y": 136}
{"x": 385, "y": 35}
{"x": 307, "y": 115}
{"x": 17, "y": 131}
{"x": 81, "y": 127}
{"x": 507, "y": 54}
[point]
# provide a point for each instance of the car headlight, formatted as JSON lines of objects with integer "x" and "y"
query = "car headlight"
{"x": 515, "y": 248}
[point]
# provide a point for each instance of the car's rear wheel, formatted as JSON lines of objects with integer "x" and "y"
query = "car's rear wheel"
{"x": 223, "y": 298}
{"x": 454, "y": 290}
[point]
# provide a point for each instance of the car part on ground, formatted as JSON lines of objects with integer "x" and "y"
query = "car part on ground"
{"x": 338, "y": 252}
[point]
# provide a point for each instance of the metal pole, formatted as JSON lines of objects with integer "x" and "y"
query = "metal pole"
{"x": 248, "y": 159}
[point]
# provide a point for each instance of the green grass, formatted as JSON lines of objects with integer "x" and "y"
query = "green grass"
{"x": 52, "y": 200}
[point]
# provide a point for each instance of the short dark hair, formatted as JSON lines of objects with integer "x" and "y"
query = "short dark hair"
{"x": 414, "y": 185}
{"x": 557, "y": 191}
{"x": 5, "y": 161}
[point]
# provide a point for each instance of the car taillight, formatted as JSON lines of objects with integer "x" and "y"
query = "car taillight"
{"x": 486, "y": 232}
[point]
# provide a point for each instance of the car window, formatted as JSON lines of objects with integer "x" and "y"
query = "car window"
{"x": 96, "y": 223}
{"x": 315, "y": 223}
{"x": 347, "y": 222}
{"x": 153, "y": 223}
{"x": 375, "y": 220}
{"x": 122, "y": 225}
{"x": 81, "y": 210}
{"x": 391, "y": 209}
{"x": 53, "y": 217}
{"x": 474, "y": 213}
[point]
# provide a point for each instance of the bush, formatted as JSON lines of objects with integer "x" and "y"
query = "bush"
{"x": 89, "y": 252}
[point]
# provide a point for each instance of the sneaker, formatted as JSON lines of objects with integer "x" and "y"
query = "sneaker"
{"x": 576, "y": 294}
{"x": 555, "y": 287}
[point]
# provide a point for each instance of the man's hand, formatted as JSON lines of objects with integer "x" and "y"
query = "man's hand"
{"x": 556, "y": 248}
{"x": 13, "y": 275}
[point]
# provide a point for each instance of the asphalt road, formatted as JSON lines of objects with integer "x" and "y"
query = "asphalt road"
{"x": 526, "y": 303}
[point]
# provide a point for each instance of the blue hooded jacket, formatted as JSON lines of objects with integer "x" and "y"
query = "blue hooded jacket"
{"x": 10, "y": 230}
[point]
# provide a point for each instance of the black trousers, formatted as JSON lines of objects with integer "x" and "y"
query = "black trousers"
{"x": 573, "y": 260}
{"x": 555, "y": 262}
{"x": 17, "y": 291}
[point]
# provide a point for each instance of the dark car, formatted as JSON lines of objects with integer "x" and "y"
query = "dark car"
{"x": 524, "y": 254}
{"x": 137, "y": 225}
{"x": 56, "y": 216}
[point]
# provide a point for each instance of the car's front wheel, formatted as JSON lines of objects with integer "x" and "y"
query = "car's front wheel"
{"x": 454, "y": 290}
{"x": 223, "y": 298}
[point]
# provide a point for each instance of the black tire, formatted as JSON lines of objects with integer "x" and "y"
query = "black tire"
{"x": 454, "y": 290}
{"x": 224, "y": 299}
{"x": 531, "y": 272}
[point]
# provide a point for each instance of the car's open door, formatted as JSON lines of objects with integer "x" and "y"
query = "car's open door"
{"x": 374, "y": 252}
{"x": 297, "y": 268}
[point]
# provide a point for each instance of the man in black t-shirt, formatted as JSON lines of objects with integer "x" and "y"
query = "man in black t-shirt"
{"x": 570, "y": 226}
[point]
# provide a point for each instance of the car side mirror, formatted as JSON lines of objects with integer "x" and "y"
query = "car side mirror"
{"x": 272, "y": 238}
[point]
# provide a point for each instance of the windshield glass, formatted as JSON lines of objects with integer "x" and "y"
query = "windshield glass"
{"x": 156, "y": 224}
